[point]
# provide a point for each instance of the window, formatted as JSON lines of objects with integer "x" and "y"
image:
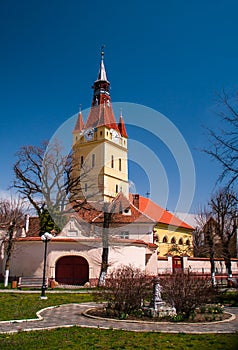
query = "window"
{"x": 119, "y": 164}
{"x": 112, "y": 162}
{"x": 116, "y": 188}
{"x": 173, "y": 240}
{"x": 124, "y": 234}
{"x": 187, "y": 242}
{"x": 86, "y": 187}
{"x": 165, "y": 239}
{"x": 93, "y": 160}
{"x": 180, "y": 241}
{"x": 81, "y": 161}
{"x": 100, "y": 133}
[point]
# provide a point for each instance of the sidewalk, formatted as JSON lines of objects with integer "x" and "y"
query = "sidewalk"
{"x": 72, "y": 315}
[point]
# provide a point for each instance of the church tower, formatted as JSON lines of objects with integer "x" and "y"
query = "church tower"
{"x": 100, "y": 146}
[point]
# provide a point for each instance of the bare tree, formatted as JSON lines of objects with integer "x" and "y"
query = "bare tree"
{"x": 11, "y": 219}
{"x": 223, "y": 209}
{"x": 224, "y": 143}
{"x": 44, "y": 176}
{"x": 206, "y": 241}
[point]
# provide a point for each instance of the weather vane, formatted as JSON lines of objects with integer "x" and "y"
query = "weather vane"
{"x": 102, "y": 51}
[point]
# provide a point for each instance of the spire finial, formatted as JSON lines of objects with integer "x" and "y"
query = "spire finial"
{"x": 102, "y": 51}
{"x": 80, "y": 108}
{"x": 121, "y": 112}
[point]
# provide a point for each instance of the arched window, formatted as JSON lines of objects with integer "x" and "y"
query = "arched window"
{"x": 180, "y": 241}
{"x": 165, "y": 239}
{"x": 173, "y": 240}
{"x": 188, "y": 242}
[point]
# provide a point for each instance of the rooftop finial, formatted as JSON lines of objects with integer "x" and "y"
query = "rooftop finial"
{"x": 102, "y": 51}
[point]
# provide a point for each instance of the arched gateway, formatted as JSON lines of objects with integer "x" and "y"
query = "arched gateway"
{"x": 72, "y": 270}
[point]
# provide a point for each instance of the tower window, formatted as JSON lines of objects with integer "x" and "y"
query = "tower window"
{"x": 93, "y": 160}
{"x": 187, "y": 242}
{"x": 180, "y": 241}
{"x": 165, "y": 240}
{"x": 81, "y": 161}
{"x": 119, "y": 164}
{"x": 112, "y": 162}
{"x": 100, "y": 133}
{"x": 116, "y": 188}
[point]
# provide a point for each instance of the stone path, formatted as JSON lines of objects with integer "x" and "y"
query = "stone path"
{"x": 72, "y": 315}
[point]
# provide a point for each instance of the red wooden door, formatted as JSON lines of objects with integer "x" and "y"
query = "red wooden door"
{"x": 72, "y": 270}
{"x": 177, "y": 263}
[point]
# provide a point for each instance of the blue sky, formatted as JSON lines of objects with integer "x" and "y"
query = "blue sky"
{"x": 172, "y": 56}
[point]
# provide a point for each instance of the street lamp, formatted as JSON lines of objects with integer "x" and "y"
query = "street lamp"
{"x": 236, "y": 230}
{"x": 46, "y": 237}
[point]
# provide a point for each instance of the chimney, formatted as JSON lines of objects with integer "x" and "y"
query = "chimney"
{"x": 136, "y": 200}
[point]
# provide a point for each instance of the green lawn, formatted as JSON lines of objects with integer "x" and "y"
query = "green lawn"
{"x": 15, "y": 306}
{"x": 18, "y": 306}
{"x": 86, "y": 338}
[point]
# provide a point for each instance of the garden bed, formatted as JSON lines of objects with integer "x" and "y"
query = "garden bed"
{"x": 204, "y": 314}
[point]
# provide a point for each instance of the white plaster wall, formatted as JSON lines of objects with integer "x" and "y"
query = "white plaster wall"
{"x": 164, "y": 266}
{"x": 27, "y": 259}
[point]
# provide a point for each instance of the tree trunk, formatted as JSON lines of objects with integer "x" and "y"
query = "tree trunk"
{"x": 210, "y": 240}
{"x": 6, "y": 274}
{"x": 105, "y": 249}
{"x": 9, "y": 248}
{"x": 227, "y": 258}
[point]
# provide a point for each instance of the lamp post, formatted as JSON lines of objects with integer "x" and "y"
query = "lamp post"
{"x": 46, "y": 237}
{"x": 236, "y": 230}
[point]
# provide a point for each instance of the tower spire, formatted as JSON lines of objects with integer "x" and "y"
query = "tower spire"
{"x": 101, "y": 112}
{"x": 102, "y": 76}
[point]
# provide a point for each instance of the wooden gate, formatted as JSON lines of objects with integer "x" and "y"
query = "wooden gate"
{"x": 72, "y": 270}
{"x": 177, "y": 263}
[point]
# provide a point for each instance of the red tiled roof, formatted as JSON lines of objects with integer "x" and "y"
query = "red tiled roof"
{"x": 160, "y": 215}
{"x": 79, "y": 123}
{"x": 101, "y": 115}
{"x": 122, "y": 127}
{"x": 118, "y": 207}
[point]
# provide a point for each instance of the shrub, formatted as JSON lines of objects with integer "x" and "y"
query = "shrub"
{"x": 186, "y": 292}
{"x": 126, "y": 288}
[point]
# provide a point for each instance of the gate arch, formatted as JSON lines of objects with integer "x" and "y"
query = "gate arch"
{"x": 72, "y": 269}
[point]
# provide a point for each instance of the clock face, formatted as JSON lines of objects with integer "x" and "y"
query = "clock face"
{"x": 88, "y": 135}
{"x": 115, "y": 135}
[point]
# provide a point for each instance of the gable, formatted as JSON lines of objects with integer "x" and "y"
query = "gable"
{"x": 74, "y": 229}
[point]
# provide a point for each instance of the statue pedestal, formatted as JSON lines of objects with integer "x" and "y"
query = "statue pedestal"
{"x": 161, "y": 309}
